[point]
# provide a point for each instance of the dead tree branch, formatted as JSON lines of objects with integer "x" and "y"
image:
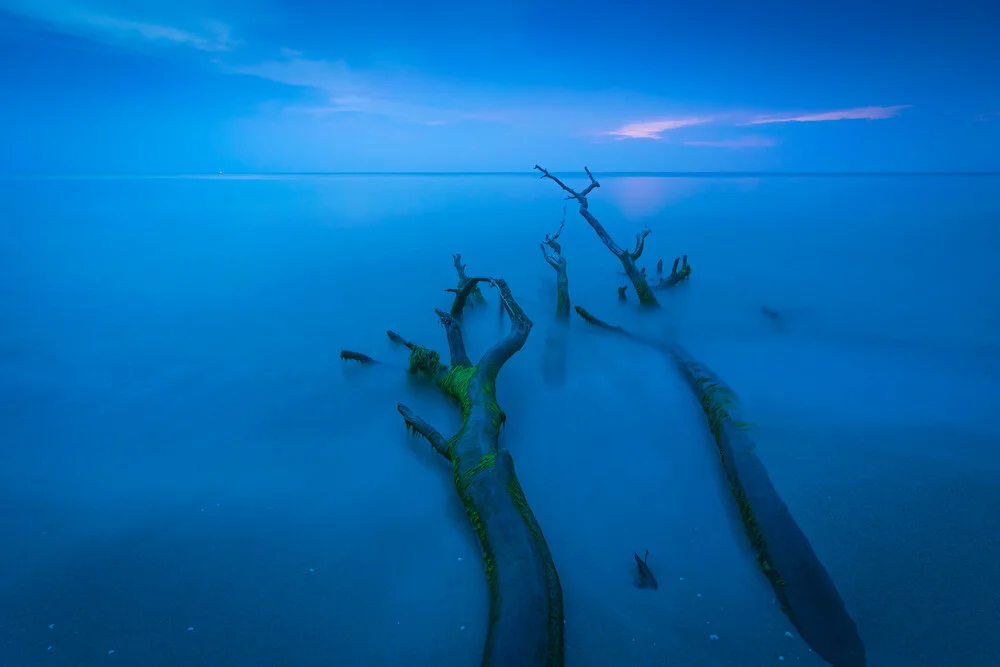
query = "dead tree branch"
{"x": 627, "y": 258}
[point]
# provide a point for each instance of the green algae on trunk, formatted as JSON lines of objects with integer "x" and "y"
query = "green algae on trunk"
{"x": 801, "y": 584}
{"x": 525, "y": 627}
{"x": 626, "y": 257}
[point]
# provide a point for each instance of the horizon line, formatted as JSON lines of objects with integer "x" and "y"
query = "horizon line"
{"x": 608, "y": 174}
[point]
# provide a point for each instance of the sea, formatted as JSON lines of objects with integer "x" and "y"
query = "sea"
{"x": 191, "y": 476}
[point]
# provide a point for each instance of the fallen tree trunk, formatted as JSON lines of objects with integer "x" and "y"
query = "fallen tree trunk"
{"x": 801, "y": 584}
{"x": 626, "y": 257}
{"x": 554, "y": 360}
{"x": 525, "y": 626}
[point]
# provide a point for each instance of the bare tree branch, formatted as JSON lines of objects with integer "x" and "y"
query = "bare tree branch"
{"x": 573, "y": 194}
{"x": 556, "y": 260}
{"x": 640, "y": 244}
{"x": 520, "y": 326}
{"x": 676, "y": 275}
{"x": 456, "y": 342}
{"x": 642, "y": 289}
{"x": 418, "y": 426}
{"x": 348, "y": 355}
{"x": 477, "y": 295}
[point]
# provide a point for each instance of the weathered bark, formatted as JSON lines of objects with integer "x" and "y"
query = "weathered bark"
{"x": 526, "y": 609}
{"x": 556, "y": 260}
{"x": 626, "y": 257}
{"x": 676, "y": 275}
{"x": 800, "y": 582}
{"x": 476, "y": 295}
{"x": 555, "y": 357}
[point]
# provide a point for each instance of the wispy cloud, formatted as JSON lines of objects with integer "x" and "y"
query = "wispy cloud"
{"x": 654, "y": 129}
{"x": 857, "y": 113}
{"x": 742, "y": 142}
{"x": 988, "y": 116}
{"x": 96, "y": 21}
{"x": 333, "y": 77}
{"x": 214, "y": 38}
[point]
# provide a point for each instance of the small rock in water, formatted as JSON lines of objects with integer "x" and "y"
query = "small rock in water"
{"x": 713, "y": 636}
{"x": 788, "y": 634}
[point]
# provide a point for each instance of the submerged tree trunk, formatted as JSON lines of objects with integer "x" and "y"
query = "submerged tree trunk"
{"x": 526, "y": 609}
{"x": 554, "y": 360}
{"x": 800, "y": 582}
{"x": 626, "y": 257}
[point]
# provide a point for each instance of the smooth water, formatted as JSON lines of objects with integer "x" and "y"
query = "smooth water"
{"x": 191, "y": 476}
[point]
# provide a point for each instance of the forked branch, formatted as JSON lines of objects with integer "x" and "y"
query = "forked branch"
{"x": 626, "y": 257}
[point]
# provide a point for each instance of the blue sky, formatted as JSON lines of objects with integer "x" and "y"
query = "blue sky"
{"x": 262, "y": 85}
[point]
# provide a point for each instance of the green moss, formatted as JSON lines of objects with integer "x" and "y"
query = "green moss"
{"x": 455, "y": 383}
{"x": 719, "y": 402}
{"x": 645, "y": 294}
{"x": 485, "y": 463}
{"x": 551, "y": 575}
{"x": 424, "y": 361}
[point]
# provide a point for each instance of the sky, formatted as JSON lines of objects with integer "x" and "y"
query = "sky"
{"x": 202, "y": 86}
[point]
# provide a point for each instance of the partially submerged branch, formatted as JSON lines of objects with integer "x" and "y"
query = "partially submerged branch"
{"x": 799, "y": 581}
{"x": 626, "y": 257}
{"x": 677, "y": 275}
{"x": 348, "y": 355}
{"x": 526, "y": 608}
{"x": 555, "y": 259}
{"x": 477, "y": 295}
{"x": 555, "y": 357}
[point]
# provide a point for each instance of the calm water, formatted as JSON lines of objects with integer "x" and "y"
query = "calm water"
{"x": 189, "y": 475}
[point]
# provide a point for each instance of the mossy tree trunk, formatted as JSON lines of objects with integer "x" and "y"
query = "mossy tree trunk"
{"x": 802, "y": 585}
{"x": 525, "y": 626}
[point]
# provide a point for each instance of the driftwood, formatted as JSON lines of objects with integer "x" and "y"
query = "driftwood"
{"x": 554, "y": 360}
{"x": 628, "y": 258}
{"x": 526, "y": 608}
{"x": 801, "y": 584}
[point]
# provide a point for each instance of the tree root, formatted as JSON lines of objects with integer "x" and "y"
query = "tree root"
{"x": 526, "y": 608}
{"x": 799, "y": 581}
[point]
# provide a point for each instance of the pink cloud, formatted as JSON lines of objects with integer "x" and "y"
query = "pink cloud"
{"x": 652, "y": 129}
{"x": 743, "y": 142}
{"x": 859, "y": 113}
